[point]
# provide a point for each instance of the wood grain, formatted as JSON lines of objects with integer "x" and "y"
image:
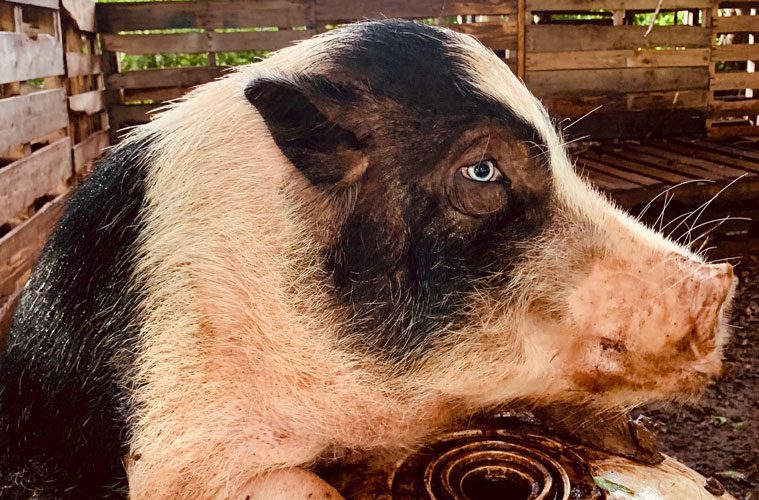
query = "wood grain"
{"x": 24, "y": 58}
{"x": 30, "y": 116}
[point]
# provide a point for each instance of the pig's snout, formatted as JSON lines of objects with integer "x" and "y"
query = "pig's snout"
{"x": 708, "y": 288}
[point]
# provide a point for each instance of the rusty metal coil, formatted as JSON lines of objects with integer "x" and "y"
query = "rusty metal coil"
{"x": 494, "y": 463}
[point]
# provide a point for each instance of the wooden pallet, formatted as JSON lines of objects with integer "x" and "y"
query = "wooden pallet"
{"x": 680, "y": 175}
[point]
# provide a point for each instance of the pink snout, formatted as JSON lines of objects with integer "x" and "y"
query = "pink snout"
{"x": 708, "y": 287}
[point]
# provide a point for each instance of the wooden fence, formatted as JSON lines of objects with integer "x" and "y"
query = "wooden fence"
{"x": 578, "y": 56}
{"x": 51, "y": 126}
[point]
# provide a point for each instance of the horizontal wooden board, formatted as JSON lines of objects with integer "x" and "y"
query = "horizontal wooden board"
{"x": 31, "y": 116}
{"x": 157, "y": 95}
{"x": 561, "y": 38}
{"x": 82, "y": 12}
{"x": 48, "y": 4}
{"x": 115, "y": 17}
{"x": 78, "y": 64}
{"x": 630, "y": 58}
{"x": 581, "y": 105}
{"x": 736, "y": 106}
{"x": 497, "y": 36}
{"x": 343, "y": 10}
{"x": 170, "y": 77}
{"x": 203, "y": 42}
{"x": 87, "y": 102}
{"x": 733, "y": 131}
{"x": 24, "y": 58}
{"x": 736, "y": 24}
{"x": 735, "y": 80}
{"x": 639, "y": 124}
{"x": 736, "y": 52}
{"x": 122, "y": 115}
{"x": 564, "y": 5}
{"x": 89, "y": 149}
{"x": 20, "y": 247}
{"x": 616, "y": 81}
{"x": 29, "y": 178}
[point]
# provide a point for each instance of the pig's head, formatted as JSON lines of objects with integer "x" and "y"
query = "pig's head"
{"x": 461, "y": 248}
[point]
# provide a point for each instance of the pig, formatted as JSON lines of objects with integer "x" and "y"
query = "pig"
{"x": 351, "y": 245}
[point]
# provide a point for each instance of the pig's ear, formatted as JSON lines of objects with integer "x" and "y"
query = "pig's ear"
{"x": 303, "y": 118}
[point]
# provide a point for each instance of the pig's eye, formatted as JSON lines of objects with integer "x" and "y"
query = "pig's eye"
{"x": 483, "y": 171}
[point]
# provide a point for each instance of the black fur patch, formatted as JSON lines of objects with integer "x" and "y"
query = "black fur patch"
{"x": 64, "y": 376}
{"x": 402, "y": 264}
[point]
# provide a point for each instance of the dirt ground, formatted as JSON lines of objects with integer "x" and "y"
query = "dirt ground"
{"x": 719, "y": 436}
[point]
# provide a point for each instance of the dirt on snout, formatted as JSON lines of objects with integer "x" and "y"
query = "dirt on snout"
{"x": 719, "y": 436}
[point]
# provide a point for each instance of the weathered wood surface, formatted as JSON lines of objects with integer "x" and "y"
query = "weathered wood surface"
{"x": 89, "y": 149}
{"x": 607, "y": 59}
{"x": 48, "y": 4}
{"x": 116, "y": 17}
{"x": 78, "y": 64}
{"x": 335, "y": 10}
{"x": 20, "y": 247}
{"x": 570, "y": 5}
{"x": 566, "y": 38}
{"x": 82, "y": 12}
{"x": 29, "y": 178}
{"x": 171, "y": 77}
{"x": 88, "y": 102}
{"x": 580, "y": 105}
{"x": 28, "y": 117}
{"x": 736, "y": 52}
{"x": 131, "y": 114}
{"x": 736, "y": 24}
{"x": 25, "y": 58}
{"x": 735, "y": 80}
{"x": 203, "y": 42}
{"x": 656, "y": 123}
{"x": 616, "y": 81}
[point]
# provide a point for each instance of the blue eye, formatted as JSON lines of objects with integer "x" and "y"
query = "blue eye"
{"x": 483, "y": 171}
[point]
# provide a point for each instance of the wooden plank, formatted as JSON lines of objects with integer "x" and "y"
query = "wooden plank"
{"x": 170, "y": 77}
{"x": 736, "y": 24}
{"x": 581, "y": 105}
{"x": 78, "y": 64}
{"x": 607, "y": 182}
{"x": 48, "y": 4}
{"x": 639, "y": 155}
{"x": 618, "y": 160}
{"x": 734, "y": 150}
{"x": 87, "y": 102}
{"x": 20, "y": 247}
{"x": 615, "y": 81}
{"x": 735, "y": 80}
{"x": 640, "y": 124}
{"x": 736, "y": 52}
{"x": 124, "y": 115}
{"x": 342, "y": 10}
{"x": 89, "y": 149}
{"x": 733, "y": 131}
{"x": 718, "y": 170}
{"x": 82, "y": 12}
{"x": 633, "y": 177}
{"x": 734, "y": 107}
{"x": 497, "y": 36}
{"x": 724, "y": 159}
{"x": 115, "y": 17}
{"x": 156, "y": 95}
{"x": 567, "y": 38}
{"x": 6, "y": 316}
{"x": 30, "y": 116}
{"x": 203, "y": 42}
{"x": 25, "y": 58}
{"x": 616, "y": 4}
{"x": 630, "y": 58}
{"x": 29, "y": 178}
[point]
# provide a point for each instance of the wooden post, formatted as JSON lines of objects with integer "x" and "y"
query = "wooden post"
{"x": 522, "y": 21}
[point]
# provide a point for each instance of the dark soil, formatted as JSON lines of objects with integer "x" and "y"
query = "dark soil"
{"x": 719, "y": 436}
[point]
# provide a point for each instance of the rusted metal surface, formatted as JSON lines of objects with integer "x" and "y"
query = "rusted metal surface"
{"x": 513, "y": 457}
